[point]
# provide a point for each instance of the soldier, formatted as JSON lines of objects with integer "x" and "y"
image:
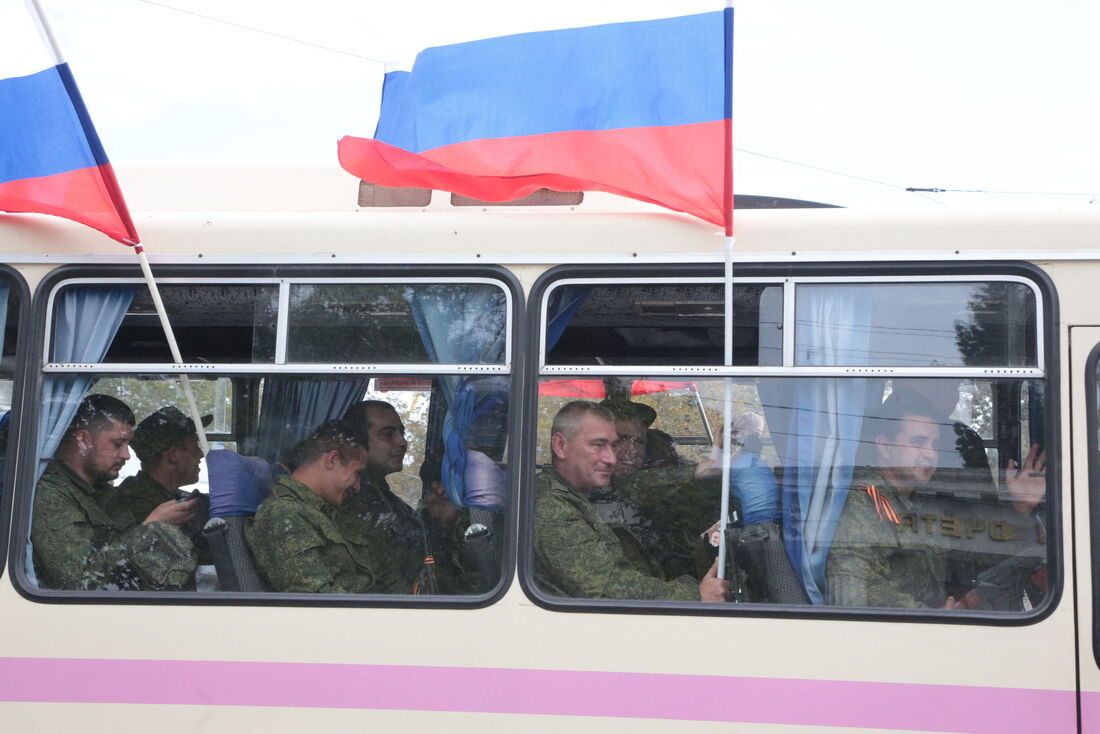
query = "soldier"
{"x": 376, "y": 516}
{"x": 666, "y": 505}
{"x": 576, "y": 553}
{"x": 167, "y": 444}
{"x": 81, "y": 539}
{"x": 891, "y": 545}
{"x": 294, "y": 536}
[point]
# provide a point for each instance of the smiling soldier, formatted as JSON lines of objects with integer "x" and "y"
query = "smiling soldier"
{"x": 576, "y": 553}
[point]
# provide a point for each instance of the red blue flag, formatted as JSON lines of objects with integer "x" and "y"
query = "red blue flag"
{"x": 51, "y": 160}
{"x": 641, "y": 109}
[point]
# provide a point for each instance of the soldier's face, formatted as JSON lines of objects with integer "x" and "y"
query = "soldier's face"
{"x": 341, "y": 478}
{"x": 629, "y": 446}
{"x": 910, "y": 457}
{"x": 188, "y": 455}
{"x": 585, "y": 460}
{"x": 105, "y": 450}
{"x": 386, "y": 444}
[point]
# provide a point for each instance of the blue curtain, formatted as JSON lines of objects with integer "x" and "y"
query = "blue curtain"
{"x": 86, "y": 320}
{"x": 818, "y": 424}
{"x": 292, "y": 407}
{"x": 462, "y": 324}
{"x": 561, "y": 307}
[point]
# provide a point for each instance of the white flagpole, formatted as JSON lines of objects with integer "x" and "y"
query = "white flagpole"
{"x": 170, "y": 335}
{"x": 727, "y": 393}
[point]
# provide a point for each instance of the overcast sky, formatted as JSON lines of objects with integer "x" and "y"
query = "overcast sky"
{"x": 954, "y": 94}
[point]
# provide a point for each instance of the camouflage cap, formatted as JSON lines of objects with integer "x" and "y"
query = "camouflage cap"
{"x": 162, "y": 430}
{"x": 626, "y": 410}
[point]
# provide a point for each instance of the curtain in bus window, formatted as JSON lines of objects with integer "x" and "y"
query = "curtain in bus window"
{"x": 86, "y": 320}
{"x": 560, "y": 310}
{"x": 822, "y": 430}
{"x": 460, "y": 324}
{"x": 293, "y": 406}
{"x": 5, "y": 288}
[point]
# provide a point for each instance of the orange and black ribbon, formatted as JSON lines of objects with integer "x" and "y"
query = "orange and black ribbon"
{"x": 883, "y": 508}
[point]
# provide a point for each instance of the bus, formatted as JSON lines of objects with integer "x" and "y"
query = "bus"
{"x": 296, "y": 292}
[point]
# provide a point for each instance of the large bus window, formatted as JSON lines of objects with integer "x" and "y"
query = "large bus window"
{"x": 336, "y": 478}
{"x": 13, "y": 292}
{"x": 925, "y": 490}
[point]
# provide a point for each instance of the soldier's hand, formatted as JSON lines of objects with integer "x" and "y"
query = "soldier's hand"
{"x": 173, "y": 512}
{"x": 1027, "y": 485}
{"x": 712, "y": 588}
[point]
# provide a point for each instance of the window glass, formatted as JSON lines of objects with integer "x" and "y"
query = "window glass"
{"x": 916, "y": 324}
{"x": 666, "y": 324}
{"x": 212, "y": 323}
{"x": 338, "y": 482}
{"x": 383, "y": 324}
{"x": 844, "y": 492}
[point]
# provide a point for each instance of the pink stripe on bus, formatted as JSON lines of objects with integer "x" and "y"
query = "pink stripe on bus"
{"x": 900, "y": 706}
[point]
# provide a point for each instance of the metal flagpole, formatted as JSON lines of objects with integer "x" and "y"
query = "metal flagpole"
{"x": 727, "y": 205}
{"x": 185, "y": 382}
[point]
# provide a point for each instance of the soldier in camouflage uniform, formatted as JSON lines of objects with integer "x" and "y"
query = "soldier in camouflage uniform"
{"x": 81, "y": 538}
{"x": 892, "y": 544}
{"x": 376, "y": 517}
{"x": 576, "y": 553}
{"x": 294, "y": 537}
{"x": 168, "y": 446}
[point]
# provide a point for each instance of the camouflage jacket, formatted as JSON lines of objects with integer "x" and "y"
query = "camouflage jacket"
{"x": 298, "y": 546}
{"x": 141, "y": 494}
{"x": 579, "y": 555}
{"x": 666, "y": 508}
{"x": 382, "y": 522}
{"x": 877, "y": 562}
{"x": 83, "y": 541}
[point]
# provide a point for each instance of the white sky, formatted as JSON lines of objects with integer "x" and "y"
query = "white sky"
{"x": 956, "y": 94}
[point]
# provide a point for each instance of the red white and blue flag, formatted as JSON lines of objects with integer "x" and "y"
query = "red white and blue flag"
{"x": 51, "y": 160}
{"x": 640, "y": 109}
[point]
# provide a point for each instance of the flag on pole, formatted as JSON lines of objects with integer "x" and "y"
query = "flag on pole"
{"x": 640, "y": 109}
{"x": 51, "y": 160}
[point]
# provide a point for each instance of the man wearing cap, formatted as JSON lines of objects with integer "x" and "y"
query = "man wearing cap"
{"x": 167, "y": 444}
{"x": 665, "y": 505}
{"x": 576, "y": 553}
{"x": 83, "y": 541}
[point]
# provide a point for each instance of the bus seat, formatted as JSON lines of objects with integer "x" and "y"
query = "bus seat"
{"x": 238, "y": 484}
{"x": 232, "y": 558}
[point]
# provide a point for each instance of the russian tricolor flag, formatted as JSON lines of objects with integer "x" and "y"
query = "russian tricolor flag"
{"x": 641, "y": 109}
{"x": 51, "y": 160}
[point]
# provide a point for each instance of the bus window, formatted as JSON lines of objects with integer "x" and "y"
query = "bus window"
{"x": 13, "y": 296}
{"x": 332, "y": 476}
{"x": 846, "y": 488}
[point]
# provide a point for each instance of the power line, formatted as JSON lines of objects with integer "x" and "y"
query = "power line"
{"x": 243, "y": 27}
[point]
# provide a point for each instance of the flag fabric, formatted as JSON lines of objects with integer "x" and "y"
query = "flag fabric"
{"x": 641, "y": 109}
{"x": 595, "y": 389}
{"x": 51, "y": 160}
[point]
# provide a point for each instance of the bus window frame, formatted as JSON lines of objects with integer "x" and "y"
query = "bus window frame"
{"x": 1047, "y": 355}
{"x": 15, "y": 431}
{"x": 33, "y": 372}
{"x": 1092, "y": 422}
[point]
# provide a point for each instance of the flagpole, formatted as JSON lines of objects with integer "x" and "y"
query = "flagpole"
{"x": 727, "y": 206}
{"x": 170, "y": 335}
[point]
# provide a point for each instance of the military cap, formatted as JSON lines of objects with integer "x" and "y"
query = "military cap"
{"x": 626, "y": 410}
{"x": 162, "y": 430}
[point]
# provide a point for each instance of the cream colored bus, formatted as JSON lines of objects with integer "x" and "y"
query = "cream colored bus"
{"x": 294, "y": 295}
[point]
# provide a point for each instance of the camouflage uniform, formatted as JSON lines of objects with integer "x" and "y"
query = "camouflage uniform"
{"x": 876, "y": 562}
{"x": 381, "y": 521}
{"x": 141, "y": 494}
{"x": 579, "y": 555}
{"x": 667, "y": 508}
{"x": 298, "y": 547}
{"x": 82, "y": 542}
